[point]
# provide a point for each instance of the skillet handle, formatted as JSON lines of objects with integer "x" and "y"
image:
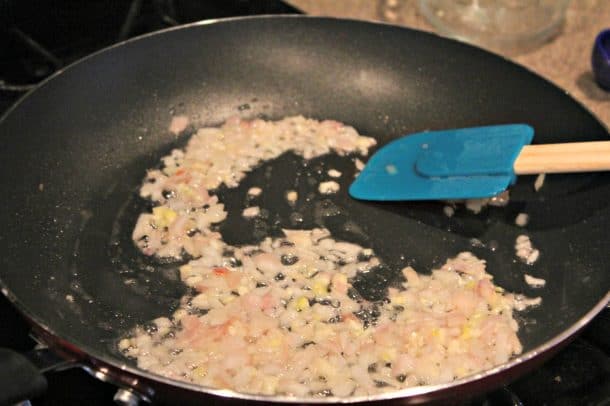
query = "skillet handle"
{"x": 21, "y": 375}
{"x": 19, "y": 378}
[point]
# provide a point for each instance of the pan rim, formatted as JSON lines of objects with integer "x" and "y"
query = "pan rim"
{"x": 407, "y": 392}
{"x": 212, "y": 21}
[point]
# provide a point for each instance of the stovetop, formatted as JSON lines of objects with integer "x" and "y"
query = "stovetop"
{"x": 37, "y": 38}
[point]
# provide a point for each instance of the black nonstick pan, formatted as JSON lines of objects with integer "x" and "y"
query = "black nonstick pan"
{"x": 74, "y": 151}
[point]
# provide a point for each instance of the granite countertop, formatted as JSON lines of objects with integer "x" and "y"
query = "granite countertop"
{"x": 565, "y": 60}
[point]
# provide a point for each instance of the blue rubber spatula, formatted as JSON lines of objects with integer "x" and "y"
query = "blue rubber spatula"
{"x": 469, "y": 163}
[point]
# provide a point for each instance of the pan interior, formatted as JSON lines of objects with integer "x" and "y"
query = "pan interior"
{"x": 75, "y": 150}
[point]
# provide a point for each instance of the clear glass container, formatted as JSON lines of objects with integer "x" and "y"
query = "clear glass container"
{"x": 505, "y": 26}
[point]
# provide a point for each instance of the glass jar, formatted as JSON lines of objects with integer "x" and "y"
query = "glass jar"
{"x": 505, "y": 26}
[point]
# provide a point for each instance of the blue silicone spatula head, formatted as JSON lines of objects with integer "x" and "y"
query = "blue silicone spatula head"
{"x": 464, "y": 163}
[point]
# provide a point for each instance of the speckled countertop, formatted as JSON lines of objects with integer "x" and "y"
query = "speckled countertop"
{"x": 565, "y": 60}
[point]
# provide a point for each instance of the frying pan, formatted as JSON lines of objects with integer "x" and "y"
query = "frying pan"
{"x": 75, "y": 150}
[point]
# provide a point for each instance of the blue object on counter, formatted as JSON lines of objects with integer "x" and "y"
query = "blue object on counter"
{"x": 600, "y": 59}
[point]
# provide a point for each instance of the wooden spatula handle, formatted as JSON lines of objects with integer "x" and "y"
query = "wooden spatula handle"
{"x": 563, "y": 158}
